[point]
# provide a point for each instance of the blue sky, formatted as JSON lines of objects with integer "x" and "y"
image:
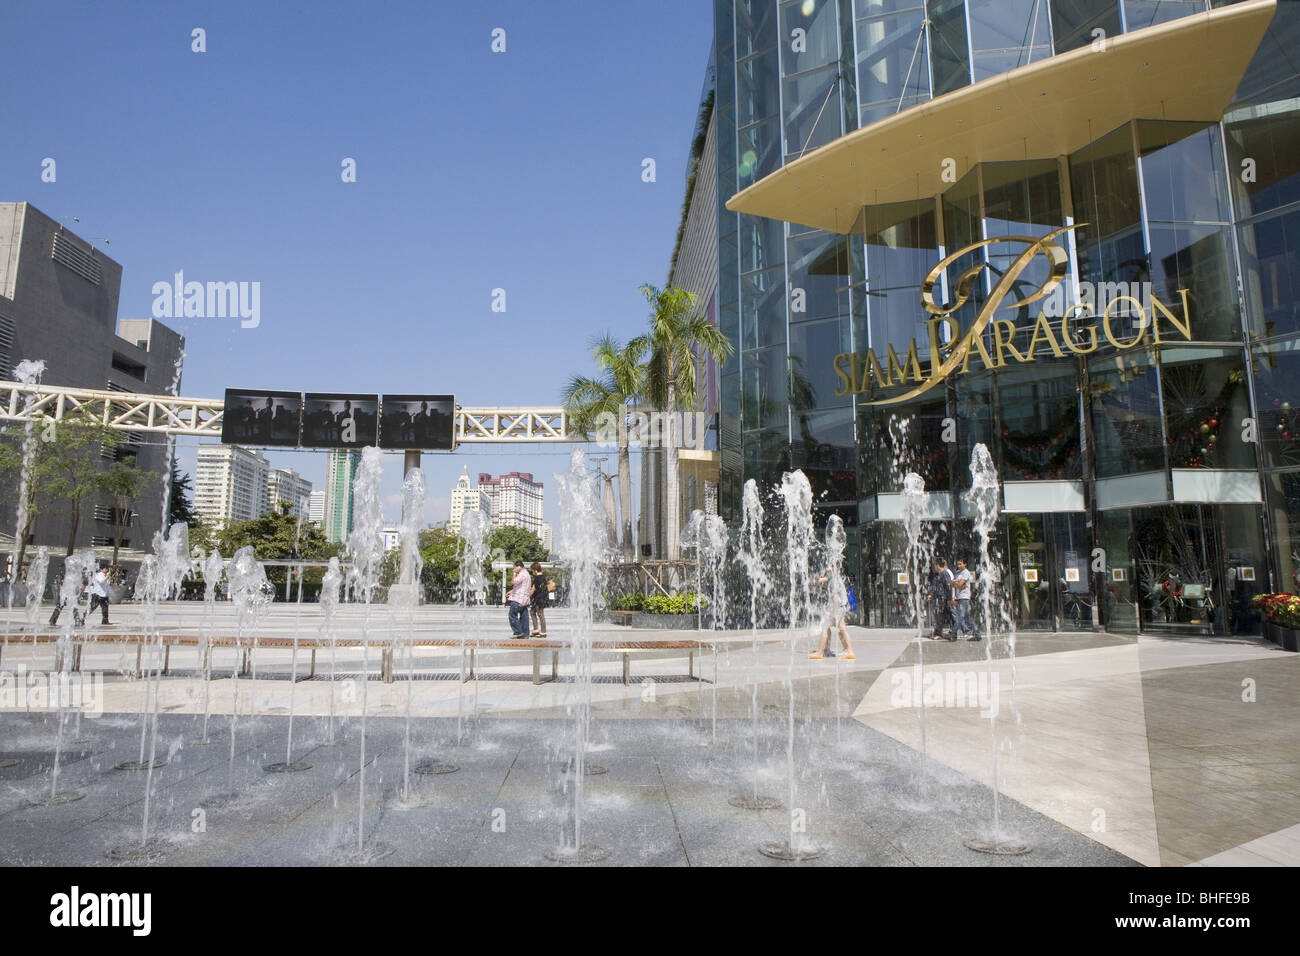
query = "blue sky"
{"x": 475, "y": 171}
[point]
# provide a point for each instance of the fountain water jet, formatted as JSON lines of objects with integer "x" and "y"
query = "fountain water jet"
{"x": 76, "y": 578}
{"x": 985, "y": 495}
{"x": 797, "y": 496}
{"x": 749, "y": 553}
{"x": 582, "y": 545}
{"x": 213, "y": 567}
{"x": 366, "y": 545}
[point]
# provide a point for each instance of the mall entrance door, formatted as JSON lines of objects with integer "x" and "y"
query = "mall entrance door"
{"x": 1048, "y": 560}
{"x": 1197, "y": 567}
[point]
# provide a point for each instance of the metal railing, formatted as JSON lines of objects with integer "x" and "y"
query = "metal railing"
{"x": 202, "y": 417}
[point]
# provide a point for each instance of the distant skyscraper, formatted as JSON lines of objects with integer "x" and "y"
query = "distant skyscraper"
{"x": 339, "y": 476}
{"x": 464, "y": 498}
{"x": 515, "y": 499}
{"x": 230, "y": 484}
{"x": 316, "y": 507}
{"x": 285, "y": 484}
{"x": 548, "y": 537}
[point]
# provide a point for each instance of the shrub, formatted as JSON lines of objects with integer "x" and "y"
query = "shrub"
{"x": 687, "y": 603}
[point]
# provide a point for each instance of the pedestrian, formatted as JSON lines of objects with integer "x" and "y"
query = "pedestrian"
{"x": 540, "y": 597}
{"x": 99, "y": 592}
{"x": 940, "y": 598}
{"x": 78, "y": 616}
{"x": 835, "y": 614}
{"x": 961, "y": 593}
{"x": 520, "y": 587}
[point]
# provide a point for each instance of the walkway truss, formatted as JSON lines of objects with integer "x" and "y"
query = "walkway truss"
{"x": 202, "y": 417}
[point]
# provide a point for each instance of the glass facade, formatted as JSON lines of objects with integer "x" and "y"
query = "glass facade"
{"x": 1144, "y": 418}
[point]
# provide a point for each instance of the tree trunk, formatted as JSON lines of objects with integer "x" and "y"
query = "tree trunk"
{"x": 119, "y": 523}
{"x": 25, "y": 532}
{"x": 672, "y": 520}
{"x": 76, "y": 521}
{"x": 625, "y": 497}
{"x": 611, "y": 517}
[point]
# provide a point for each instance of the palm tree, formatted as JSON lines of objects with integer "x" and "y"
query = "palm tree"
{"x": 679, "y": 337}
{"x": 593, "y": 404}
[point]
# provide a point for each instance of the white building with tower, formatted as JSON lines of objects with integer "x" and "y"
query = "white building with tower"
{"x": 466, "y": 498}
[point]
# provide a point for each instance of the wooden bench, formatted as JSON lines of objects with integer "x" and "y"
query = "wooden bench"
{"x": 248, "y": 645}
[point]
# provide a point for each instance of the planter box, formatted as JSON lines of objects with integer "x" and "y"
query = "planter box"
{"x": 1285, "y": 637}
{"x": 668, "y": 622}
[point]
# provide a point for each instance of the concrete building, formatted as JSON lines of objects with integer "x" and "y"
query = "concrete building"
{"x": 230, "y": 484}
{"x": 340, "y": 473}
{"x": 392, "y": 535}
{"x": 693, "y": 267}
{"x": 515, "y": 500}
{"x": 285, "y": 484}
{"x": 58, "y": 304}
{"x": 465, "y": 498}
{"x": 548, "y": 537}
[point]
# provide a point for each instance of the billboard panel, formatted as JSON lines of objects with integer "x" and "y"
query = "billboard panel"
{"x": 418, "y": 421}
{"x": 334, "y": 420}
{"x": 258, "y": 417}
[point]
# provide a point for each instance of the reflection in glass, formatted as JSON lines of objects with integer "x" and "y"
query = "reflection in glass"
{"x": 1205, "y": 398}
{"x": 1039, "y": 412}
{"x": 1198, "y": 259}
{"x": 1005, "y": 34}
{"x": 1265, "y": 140}
{"x": 1270, "y": 266}
{"x": 948, "y": 49}
{"x": 893, "y": 63}
{"x": 1125, "y": 399}
{"x": 1074, "y": 22}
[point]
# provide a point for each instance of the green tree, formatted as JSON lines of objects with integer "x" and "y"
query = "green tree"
{"x": 11, "y": 468}
{"x": 678, "y": 339}
{"x": 278, "y": 536}
{"x": 69, "y": 465}
{"x": 593, "y": 404}
{"x": 124, "y": 481}
{"x": 180, "y": 507}
{"x": 516, "y": 544}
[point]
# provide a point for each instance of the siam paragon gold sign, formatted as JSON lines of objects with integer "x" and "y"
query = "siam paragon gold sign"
{"x": 862, "y": 373}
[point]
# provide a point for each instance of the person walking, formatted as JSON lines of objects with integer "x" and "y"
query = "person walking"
{"x": 99, "y": 592}
{"x": 835, "y": 614}
{"x": 940, "y": 599}
{"x": 961, "y": 594}
{"x": 521, "y": 585}
{"x": 540, "y": 598}
{"x": 78, "y": 616}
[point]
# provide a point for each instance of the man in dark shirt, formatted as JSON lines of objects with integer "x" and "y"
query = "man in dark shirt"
{"x": 940, "y": 599}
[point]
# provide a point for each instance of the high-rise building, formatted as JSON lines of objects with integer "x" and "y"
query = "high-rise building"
{"x": 340, "y": 473}
{"x": 1061, "y": 233}
{"x": 693, "y": 267}
{"x": 465, "y": 498}
{"x": 548, "y": 537}
{"x": 58, "y": 304}
{"x": 515, "y": 500}
{"x": 285, "y": 484}
{"x": 316, "y": 507}
{"x": 230, "y": 484}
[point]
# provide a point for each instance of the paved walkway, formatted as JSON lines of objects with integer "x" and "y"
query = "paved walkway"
{"x": 1167, "y": 750}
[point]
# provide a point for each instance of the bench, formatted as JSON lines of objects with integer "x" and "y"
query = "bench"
{"x": 538, "y": 646}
